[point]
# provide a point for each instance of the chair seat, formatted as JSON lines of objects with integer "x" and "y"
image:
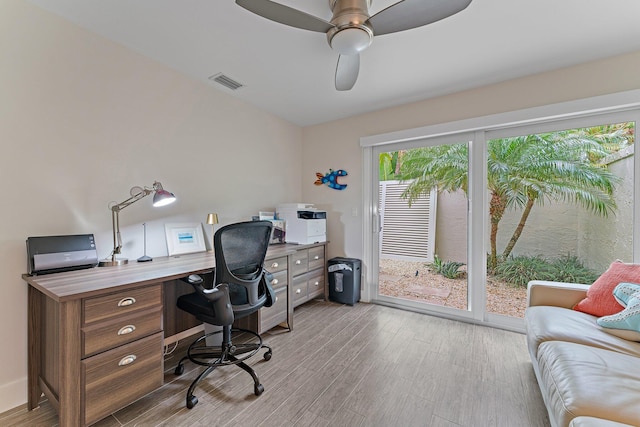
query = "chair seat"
{"x": 195, "y": 304}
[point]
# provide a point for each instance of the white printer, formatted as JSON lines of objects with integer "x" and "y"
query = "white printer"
{"x": 303, "y": 223}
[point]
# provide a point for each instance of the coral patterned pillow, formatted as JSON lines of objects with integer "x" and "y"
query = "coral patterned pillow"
{"x": 600, "y": 300}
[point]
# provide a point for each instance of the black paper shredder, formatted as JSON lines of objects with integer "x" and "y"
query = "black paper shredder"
{"x": 344, "y": 280}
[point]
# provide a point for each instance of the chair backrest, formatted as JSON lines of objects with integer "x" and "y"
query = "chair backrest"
{"x": 240, "y": 250}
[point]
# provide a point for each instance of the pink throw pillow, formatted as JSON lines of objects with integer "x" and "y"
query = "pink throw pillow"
{"x": 600, "y": 301}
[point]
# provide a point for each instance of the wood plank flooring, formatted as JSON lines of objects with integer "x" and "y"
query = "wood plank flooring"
{"x": 365, "y": 365}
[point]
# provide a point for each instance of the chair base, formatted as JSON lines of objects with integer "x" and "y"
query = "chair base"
{"x": 226, "y": 354}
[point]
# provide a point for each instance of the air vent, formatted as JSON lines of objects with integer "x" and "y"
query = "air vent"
{"x": 226, "y": 81}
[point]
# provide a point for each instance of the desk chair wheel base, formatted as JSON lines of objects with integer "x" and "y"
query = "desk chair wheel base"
{"x": 179, "y": 369}
{"x": 191, "y": 401}
{"x": 258, "y": 390}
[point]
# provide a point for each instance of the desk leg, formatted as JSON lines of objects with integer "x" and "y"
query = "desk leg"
{"x": 35, "y": 347}
{"x": 69, "y": 362}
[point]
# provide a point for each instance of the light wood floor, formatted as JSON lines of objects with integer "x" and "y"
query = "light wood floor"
{"x": 365, "y": 365}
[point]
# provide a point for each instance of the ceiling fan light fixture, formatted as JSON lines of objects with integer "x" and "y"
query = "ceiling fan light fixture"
{"x": 351, "y": 40}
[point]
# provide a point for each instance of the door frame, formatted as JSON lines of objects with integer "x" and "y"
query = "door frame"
{"x": 478, "y": 130}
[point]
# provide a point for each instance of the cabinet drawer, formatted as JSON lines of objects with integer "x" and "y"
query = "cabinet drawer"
{"x": 316, "y": 257}
{"x": 300, "y": 262}
{"x": 113, "y": 379}
{"x": 277, "y": 313}
{"x": 279, "y": 279}
{"x": 299, "y": 290}
{"x": 316, "y": 283}
{"x": 276, "y": 264}
{"x": 102, "y": 336}
{"x": 121, "y": 303}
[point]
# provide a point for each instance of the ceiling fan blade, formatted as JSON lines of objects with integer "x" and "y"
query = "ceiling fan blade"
{"x": 347, "y": 71}
{"x": 285, "y": 15}
{"x": 408, "y": 14}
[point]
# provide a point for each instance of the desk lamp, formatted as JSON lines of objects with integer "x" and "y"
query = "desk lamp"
{"x": 212, "y": 220}
{"x": 161, "y": 197}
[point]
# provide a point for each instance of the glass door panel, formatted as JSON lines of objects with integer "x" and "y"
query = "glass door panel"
{"x": 422, "y": 207}
{"x": 560, "y": 208}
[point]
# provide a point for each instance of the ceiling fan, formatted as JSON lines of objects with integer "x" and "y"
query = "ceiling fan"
{"x": 351, "y": 29}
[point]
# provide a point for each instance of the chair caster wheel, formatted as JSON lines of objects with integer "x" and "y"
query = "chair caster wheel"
{"x": 179, "y": 370}
{"x": 191, "y": 401}
{"x": 258, "y": 390}
{"x": 267, "y": 355}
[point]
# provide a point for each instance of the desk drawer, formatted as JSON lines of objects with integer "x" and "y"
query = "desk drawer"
{"x": 113, "y": 379}
{"x": 316, "y": 283}
{"x": 276, "y": 264}
{"x": 105, "y": 335}
{"x": 121, "y": 303}
{"x": 300, "y": 262}
{"x": 316, "y": 257}
{"x": 279, "y": 279}
{"x": 277, "y": 313}
{"x": 299, "y": 291}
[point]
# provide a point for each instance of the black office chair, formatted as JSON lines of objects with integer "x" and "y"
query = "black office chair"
{"x": 237, "y": 287}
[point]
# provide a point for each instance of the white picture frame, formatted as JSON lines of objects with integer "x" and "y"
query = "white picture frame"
{"x": 184, "y": 238}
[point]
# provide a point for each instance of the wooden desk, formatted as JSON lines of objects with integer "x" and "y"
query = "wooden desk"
{"x": 96, "y": 336}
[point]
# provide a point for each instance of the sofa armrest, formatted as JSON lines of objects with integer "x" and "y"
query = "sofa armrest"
{"x": 558, "y": 294}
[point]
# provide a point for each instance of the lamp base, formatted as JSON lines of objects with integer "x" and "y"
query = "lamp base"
{"x": 110, "y": 262}
{"x": 145, "y": 258}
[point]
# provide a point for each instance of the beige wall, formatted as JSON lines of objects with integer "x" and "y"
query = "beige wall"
{"x": 82, "y": 120}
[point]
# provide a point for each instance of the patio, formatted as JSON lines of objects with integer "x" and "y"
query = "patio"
{"x": 415, "y": 281}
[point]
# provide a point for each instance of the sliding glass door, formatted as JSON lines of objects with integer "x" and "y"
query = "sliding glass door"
{"x": 422, "y": 207}
{"x": 460, "y": 223}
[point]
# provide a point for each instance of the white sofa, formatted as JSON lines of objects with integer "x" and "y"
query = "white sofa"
{"x": 587, "y": 376}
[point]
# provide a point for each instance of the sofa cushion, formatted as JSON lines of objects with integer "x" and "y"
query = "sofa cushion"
{"x": 546, "y": 323}
{"x": 580, "y": 380}
{"x": 600, "y": 300}
{"x": 595, "y": 422}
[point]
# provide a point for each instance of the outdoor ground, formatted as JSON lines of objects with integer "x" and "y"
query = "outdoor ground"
{"x": 415, "y": 281}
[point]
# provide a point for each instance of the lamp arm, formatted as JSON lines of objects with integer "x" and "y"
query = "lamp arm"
{"x": 131, "y": 200}
{"x": 115, "y": 218}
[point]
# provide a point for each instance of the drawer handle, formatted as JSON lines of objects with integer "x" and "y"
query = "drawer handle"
{"x": 316, "y": 257}
{"x": 274, "y": 282}
{"x": 298, "y": 262}
{"x": 317, "y": 283}
{"x": 298, "y": 291}
{"x": 126, "y": 330}
{"x": 274, "y": 265}
{"x": 126, "y": 301}
{"x": 127, "y": 360}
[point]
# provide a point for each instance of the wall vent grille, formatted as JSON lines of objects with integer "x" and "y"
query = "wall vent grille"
{"x": 226, "y": 81}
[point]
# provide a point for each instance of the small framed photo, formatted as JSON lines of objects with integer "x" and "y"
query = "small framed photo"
{"x": 184, "y": 238}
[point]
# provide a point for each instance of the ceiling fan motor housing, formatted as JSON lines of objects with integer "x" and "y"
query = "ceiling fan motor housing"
{"x": 351, "y": 34}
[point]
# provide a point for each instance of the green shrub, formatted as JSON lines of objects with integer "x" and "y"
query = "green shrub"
{"x": 449, "y": 269}
{"x": 570, "y": 269}
{"x": 519, "y": 270}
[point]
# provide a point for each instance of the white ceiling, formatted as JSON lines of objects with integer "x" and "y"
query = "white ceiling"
{"x": 290, "y": 72}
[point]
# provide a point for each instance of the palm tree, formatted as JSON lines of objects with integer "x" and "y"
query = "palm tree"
{"x": 522, "y": 171}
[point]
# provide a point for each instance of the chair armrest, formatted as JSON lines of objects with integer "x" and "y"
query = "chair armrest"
{"x": 265, "y": 281}
{"x": 558, "y": 294}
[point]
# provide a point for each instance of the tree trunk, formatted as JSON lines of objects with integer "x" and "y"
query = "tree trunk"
{"x": 497, "y": 206}
{"x": 518, "y": 231}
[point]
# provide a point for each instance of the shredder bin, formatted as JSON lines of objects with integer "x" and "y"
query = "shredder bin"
{"x": 344, "y": 280}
